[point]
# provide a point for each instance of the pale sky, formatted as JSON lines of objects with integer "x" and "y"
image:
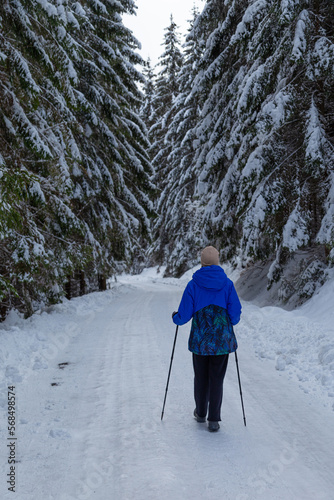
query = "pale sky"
{"x": 153, "y": 16}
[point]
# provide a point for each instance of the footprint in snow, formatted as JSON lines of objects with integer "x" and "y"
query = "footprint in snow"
{"x": 13, "y": 374}
{"x": 59, "y": 434}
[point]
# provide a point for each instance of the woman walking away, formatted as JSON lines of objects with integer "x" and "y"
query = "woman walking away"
{"x": 211, "y": 301}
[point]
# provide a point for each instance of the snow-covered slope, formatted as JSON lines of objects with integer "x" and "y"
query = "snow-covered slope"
{"x": 90, "y": 376}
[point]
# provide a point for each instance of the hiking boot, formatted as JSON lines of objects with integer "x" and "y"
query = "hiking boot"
{"x": 199, "y": 419}
{"x": 213, "y": 426}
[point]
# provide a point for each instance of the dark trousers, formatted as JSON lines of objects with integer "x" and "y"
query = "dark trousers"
{"x": 208, "y": 384}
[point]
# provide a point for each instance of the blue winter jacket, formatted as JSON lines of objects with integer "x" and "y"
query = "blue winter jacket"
{"x": 211, "y": 301}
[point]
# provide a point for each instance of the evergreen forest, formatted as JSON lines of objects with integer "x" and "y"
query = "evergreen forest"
{"x": 108, "y": 164}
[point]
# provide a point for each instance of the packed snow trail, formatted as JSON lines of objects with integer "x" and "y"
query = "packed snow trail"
{"x": 96, "y": 432}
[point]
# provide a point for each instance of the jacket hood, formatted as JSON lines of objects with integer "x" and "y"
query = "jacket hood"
{"x": 210, "y": 278}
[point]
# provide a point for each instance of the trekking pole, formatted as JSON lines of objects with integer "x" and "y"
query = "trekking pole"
{"x": 170, "y": 367}
{"x": 242, "y": 403}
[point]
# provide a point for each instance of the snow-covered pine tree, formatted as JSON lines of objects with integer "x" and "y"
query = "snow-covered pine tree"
{"x": 33, "y": 253}
{"x": 166, "y": 90}
{"x": 72, "y": 141}
{"x": 115, "y": 194}
{"x": 264, "y": 143}
{"x": 147, "y": 108}
{"x": 176, "y": 204}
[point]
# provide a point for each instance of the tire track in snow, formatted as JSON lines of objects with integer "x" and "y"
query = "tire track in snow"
{"x": 140, "y": 408}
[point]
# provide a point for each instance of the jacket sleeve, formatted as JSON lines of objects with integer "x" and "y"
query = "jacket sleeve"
{"x": 234, "y": 306}
{"x": 186, "y": 307}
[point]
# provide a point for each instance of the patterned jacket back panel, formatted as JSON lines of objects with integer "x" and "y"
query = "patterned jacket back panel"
{"x": 212, "y": 332}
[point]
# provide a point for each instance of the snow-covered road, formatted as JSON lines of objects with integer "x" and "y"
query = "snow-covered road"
{"x": 90, "y": 378}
